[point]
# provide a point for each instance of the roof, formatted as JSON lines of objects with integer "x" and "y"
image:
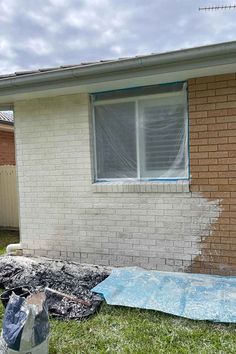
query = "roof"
{"x": 224, "y": 45}
{"x": 6, "y": 118}
{"x": 57, "y": 68}
{"x": 179, "y": 65}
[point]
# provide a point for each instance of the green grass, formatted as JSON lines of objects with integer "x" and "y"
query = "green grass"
{"x": 125, "y": 330}
{"x": 7, "y": 237}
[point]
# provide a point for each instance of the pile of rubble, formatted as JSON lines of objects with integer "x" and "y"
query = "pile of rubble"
{"x": 66, "y": 284}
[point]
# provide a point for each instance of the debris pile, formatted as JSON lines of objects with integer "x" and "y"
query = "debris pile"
{"x": 67, "y": 284}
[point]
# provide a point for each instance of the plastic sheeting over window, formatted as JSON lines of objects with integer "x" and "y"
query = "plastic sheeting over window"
{"x": 162, "y": 137}
{"x": 116, "y": 141}
{"x": 143, "y": 137}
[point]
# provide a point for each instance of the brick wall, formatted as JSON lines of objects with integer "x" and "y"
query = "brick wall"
{"x": 7, "y": 148}
{"x": 212, "y": 106}
{"x": 62, "y": 215}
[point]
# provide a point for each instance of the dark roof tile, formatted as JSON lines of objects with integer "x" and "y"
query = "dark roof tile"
{"x": 43, "y": 70}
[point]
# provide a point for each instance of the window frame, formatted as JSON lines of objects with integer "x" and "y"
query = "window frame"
{"x": 135, "y": 100}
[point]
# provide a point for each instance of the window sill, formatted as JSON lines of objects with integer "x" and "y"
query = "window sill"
{"x": 179, "y": 186}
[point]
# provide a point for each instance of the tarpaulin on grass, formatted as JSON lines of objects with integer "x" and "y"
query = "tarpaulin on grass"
{"x": 194, "y": 296}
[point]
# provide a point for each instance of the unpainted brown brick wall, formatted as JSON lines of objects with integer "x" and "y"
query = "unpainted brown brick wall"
{"x": 7, "y": 148}
{"x": 212, "y": 114}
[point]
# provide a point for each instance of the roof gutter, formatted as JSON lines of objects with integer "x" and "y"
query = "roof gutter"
{"x": 217, "y": 54}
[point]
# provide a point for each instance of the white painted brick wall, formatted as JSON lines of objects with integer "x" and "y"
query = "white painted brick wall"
{"x": 63, "y": 215}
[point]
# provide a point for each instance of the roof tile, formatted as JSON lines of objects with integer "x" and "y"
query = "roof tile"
{"x": 6, "y": 117}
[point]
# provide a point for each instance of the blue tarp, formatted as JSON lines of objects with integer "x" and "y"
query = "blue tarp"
{"x": 194, "y": 296}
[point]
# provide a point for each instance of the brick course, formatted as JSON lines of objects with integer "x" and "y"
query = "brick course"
{"x": 7, "y": 148}
{"x": 213, "y": 121}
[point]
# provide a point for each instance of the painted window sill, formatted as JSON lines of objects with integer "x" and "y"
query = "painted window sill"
{"x": 180, "y": 186}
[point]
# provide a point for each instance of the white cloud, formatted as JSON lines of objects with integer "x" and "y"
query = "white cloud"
{"x": 73, "y": 31}
{"x": 5, "y": 48}
{"x": 38, "y": 46}
{"x": 8, "y": 8}
{"x": 61, "y": 3}
{"x": 117, "y": 50}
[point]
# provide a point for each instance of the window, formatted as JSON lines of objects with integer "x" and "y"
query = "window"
{"x": 141, "y": 136}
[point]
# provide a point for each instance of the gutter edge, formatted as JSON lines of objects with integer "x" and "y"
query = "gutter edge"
{"x": 141, "y": 62}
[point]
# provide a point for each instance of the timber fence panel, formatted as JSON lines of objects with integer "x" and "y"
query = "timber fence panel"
{"x": 8, "y": 197}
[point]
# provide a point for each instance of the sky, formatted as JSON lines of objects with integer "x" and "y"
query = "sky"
{"x": 48, "y": 33}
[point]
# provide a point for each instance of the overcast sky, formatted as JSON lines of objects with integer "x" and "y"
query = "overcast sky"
{"x": 45, "y": 33}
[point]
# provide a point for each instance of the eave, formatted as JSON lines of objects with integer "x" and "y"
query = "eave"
{"x": 151, "y": 69}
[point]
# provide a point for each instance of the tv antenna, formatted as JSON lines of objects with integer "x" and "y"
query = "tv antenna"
{"x": 213, "y": 8}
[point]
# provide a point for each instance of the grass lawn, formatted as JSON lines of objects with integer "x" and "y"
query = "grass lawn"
{"x": 124, "y": 330}
{"x": 7, "y": 237}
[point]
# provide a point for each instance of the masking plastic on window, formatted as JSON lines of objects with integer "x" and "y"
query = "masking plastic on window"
{"x": 142, "y": 137}
{"x": 116, "y": 140}
{"x": 163, "y": 137}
